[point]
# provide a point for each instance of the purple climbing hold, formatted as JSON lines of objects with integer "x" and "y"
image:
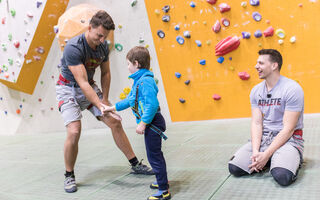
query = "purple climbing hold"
{"x": 202, "y": 62}
{"x": 0, "y": 98}
{"x": 5, "y": 112}
{"x": 256, "y": 16}
{"x": 220, "y": 59}
{"x": 161, "y": 34}
{"x": 230, "y": 58}
{"x": 20, "y": 106}
{"x": 180, "y": 40}
{"x": 257, "y": 34}
{"x": 192, "y": 4}
{"x": 198, "y": 42}
{"x": 166, "y": 8}
{"x": 246, "y": 35}
{"x": 254, "y": 2}
{"x": 177, "y": 27}
{"x": 177, "y": 74}
{"x": 166, "y": 18}
{"x": 39, "y": 3}
{"x": 187, "y": 82}
{"x": 182, "y": 100}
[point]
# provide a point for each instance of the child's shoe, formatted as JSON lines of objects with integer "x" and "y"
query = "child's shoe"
{"x": 161, "y": 195}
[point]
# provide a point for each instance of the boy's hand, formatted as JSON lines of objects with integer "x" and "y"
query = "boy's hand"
{"x": 109, "y": 111}
{"x": 141, "y": 128}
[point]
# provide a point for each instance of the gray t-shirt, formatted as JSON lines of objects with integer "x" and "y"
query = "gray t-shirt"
{"x": 77, "y": 51}
{"x": 286, "y": 95}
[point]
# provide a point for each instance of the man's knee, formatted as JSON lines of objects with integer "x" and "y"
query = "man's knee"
{"x": 74, "y": 132}
{"x": 283, "y": 176}
{"x": 114, "y": 124}
{"x": 236, "y": 171}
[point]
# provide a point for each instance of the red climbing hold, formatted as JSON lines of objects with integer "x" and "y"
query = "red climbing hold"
{"x": 212, "y": 1}
{"x": 3, "y": 20}
{"x": 216, "y": 97}
{"x": 227, "y": 45}
{"x": 18, "y": 111}
{"x": 224, "y": 7}
{"x": 243, "y": 76}
{"x": 268, "y": 32}
{"x": 216, "y": 27}
{"x": 16, "y": 44}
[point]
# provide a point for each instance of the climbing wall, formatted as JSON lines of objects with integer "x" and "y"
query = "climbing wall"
{"x": 205, "y": 80}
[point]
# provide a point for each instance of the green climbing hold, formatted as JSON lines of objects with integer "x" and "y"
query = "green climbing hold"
{"x": 156, "y": 80}
{"x": 5, "y": 68}
{"x": 23, "y": 100}
{"x": 13, "y": 12}
{"x": 41, "y": 82}
{"x": 10, "y": 60}
{"x": 10, "y": 37}
{"x": 133, "y": 3}
{"x": 30, "y": 115}
{"x": 118, "y": 46}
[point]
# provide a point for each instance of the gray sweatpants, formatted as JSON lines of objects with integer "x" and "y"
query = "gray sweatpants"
{"x": 288, "y": 156}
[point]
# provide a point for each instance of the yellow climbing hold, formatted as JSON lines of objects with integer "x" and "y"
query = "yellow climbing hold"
{"x": 122, "y": 96}
{"x": 280, "y": 33}
{"x": 126, "y": 90}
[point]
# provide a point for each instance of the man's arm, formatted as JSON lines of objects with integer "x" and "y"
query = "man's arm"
{"x": 256, "y": 129}
{"x": 80, "y": 74}
{"x": 105, "y": 81}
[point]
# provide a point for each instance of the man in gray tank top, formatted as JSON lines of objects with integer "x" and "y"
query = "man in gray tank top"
{"x": 76, "y": 91}
{"x": 277, "y": 105}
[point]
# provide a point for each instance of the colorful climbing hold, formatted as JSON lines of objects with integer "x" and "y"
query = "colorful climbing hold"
{"x": 16, "y": 44}
{"x": 39, "y": 99}
{"x": 10, "y": 61}
{"x": 177, "y": 74}
{"x": 212, "y": 1}
{"x": 192, "y": 4}
{"x": 246, "y": 35}
{"x": 133, "y": 3}
{"x": 126, "y": 90}
{"x": 118, "y": 46}
{"x": 166, "y": 8}
{"x": 293, "y": 39}
{"x": 141, "y": 40}
{"x": 256, "y": 16}
{"x": 187, "y": 82}
{"x": 220, "y": 59}
{"x": 13, "y": 12}
{"x": 268, "y": 32}
{"x": 40, "y": 50}
{"x": 177, "y": 27}
{"x": 227, "y": 45}
{"x": 198, "y": 42}
{"x": 18, "y": 62}
{"x": 257, "y": 34}
{"x": 280, "y": 41}
{"x": 161, "y": 34}
{"x": 182, "y": 100}
{"x": 223, "y": 7}
{"x": 202, "y": 62}
{"x": 122, "y": 95}
{"x": 225, "y": 22}
{"x": 208, "y": 42}
{"x": 254, "y": 2}
{"x": 10, "y": 37}
{"x": 187, "y": 34}
{"x": 280, "y": 33}
{"x": 156, "y": 80}
{"x": 119, "y": 26}
{"x": 243, "y": 4}
{"x": 4, "y": 47}
{"x": 39, "y": 3}
{"x": 216, "y": 27}
{"x": 56, "y": 29}
{"x": 157, "y": 11}
{"x": 243, "y": 75}
{"x": 6, "y": 75}
{"x": 180, "y": 39}
{"x": 3, "y": 20}
{"x": 231, "y": 68}
{"x": 18, "y": 111}
{"x": 166, "y": 18}
{"x": 29, "y": 14}
{"x": 216, "y": 97}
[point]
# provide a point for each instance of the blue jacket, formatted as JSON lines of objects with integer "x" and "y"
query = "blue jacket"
{"x": 147, "y": 96}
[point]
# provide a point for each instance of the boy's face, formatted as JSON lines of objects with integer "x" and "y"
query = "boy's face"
{"x": 132, "y": 67}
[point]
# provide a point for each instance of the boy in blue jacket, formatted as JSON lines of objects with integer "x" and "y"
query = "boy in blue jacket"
{"x": 145, "y": 106}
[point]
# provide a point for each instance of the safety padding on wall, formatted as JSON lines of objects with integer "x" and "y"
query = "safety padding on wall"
{"x": 207, "y": 50}
{"x": 25, "y": 51}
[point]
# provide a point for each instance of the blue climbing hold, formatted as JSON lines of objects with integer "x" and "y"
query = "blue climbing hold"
{"x": 161, "y": 34}
{"x": 246, "y": 35}
{"x": 177, "y": 74}
{"x": 166, "y": 8}
{"x": 5, "y": 112}
{"x": 230, "y": 58}
{"x": 256, "y": 16}
{"x": 20, "y": 106}
{"x": 180, "y": 40}
{"x": 166, "y": 18}
{"x": 220, "y": 59}
{"x": 177, "y": 27}
{"x": 202, "y": 62}
{"x": 254, "y": 2}
{"x": 182, "y": 100}
{"x": 257, "y": 34}
{"x": 187, "y": 82}
{"x": 192, "y": 4}
{"x": 198, "y": 42}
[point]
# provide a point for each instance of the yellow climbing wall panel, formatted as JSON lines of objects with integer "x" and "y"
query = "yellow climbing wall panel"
{"x": 301, "y": 59}
{"x": 43, "y": 37}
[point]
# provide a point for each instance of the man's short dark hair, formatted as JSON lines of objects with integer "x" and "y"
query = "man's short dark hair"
{"x": 102, "y": 18}
{"x": 274, "y": 56}
{"x": 141, "y": 55}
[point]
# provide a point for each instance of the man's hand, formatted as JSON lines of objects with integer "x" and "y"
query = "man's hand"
{"x": 141, "y": 128}
{"x": 259, "y": 160}
{"x": 108, "y": 111}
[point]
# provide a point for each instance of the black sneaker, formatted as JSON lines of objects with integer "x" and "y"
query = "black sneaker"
{"x": 142, "y": 169}
{"x": 164, "y": 196}
{"x": 70, "y": 184}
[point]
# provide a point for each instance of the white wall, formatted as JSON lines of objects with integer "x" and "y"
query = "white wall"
{"x": 134, "y": 23}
